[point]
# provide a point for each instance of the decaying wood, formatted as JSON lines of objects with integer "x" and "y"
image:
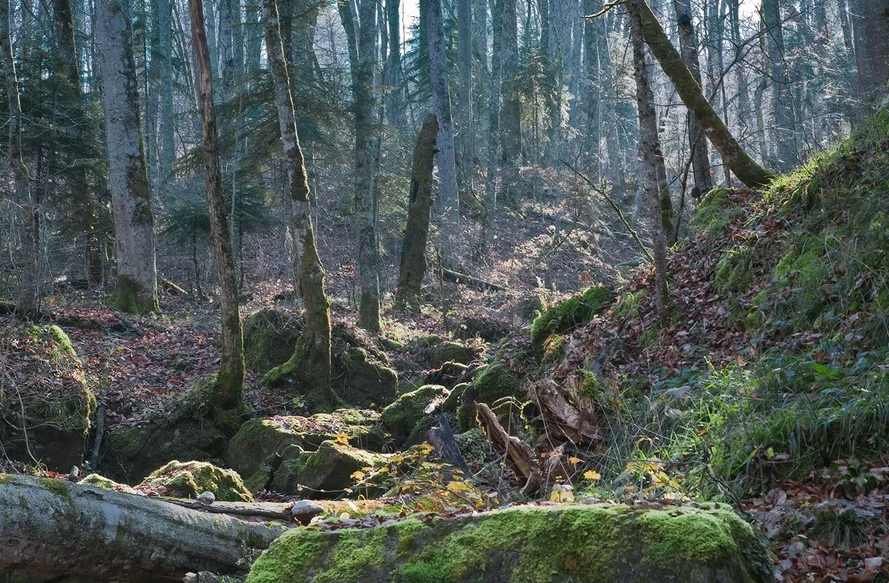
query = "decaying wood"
{"x": 441, "y": 437}
{"x": 252, "y": 510}
{"x": 565, "y": 421}
{"x": 518, "y": 455}
{"x": 170, "y": 287}
{"x": 58, "y": 527}
{"x": 469, "y": 281}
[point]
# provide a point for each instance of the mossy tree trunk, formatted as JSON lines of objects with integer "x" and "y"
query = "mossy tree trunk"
{"x": 737, "y": 159}
{"x": 413, "y": 249}
{"x": 655, "y": 179}
{"x": 136, "y": 286}
{"x": 230, "y": 380}
{"x": 28, "y": 290}
{"x": 511, "y": 112}
{"x": 490, "y": 200}
{"x": 311, "y": 360}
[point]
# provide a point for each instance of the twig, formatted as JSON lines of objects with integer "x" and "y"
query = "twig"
{"x": 605, "y": 9}
{"x": 616, "y": 208}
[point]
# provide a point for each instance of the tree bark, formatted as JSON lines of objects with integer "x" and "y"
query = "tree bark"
{"x": 449, "y": 205}
{"x": 490, "y": 200}
{"x": 511, "y": 112}
{"x": 465, "y": 135}
{"x": 876, "y": 29}
{"x": 592, "y": 29}
{"x": 230, "y": 379}
{"x": 738, "y": 160}
{"x": 655, "y": 179}
{"x": 416, "y": 233}
{"x": 688, "y": 43}
{"x": 395, "y": 102}
{"x": 136, "y": 287}
{"x": 311, "y": 360}
{"x": 27, "y": 294}
{"x": 56, "y": 527}
{"x": 784, "y": 132}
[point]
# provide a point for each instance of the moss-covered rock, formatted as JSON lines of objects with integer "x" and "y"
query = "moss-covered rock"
{"x": 448, "y": 375}
{"x": 256, "y": 450}
{"x": 402, "y": 417}
{"x": 324, "y": 473}
{"x": 570, "y": 544}
{"x": 449, "y": 351}
{"x": 568, "y": 313}
{"x": 49, "y": 412}
{"x": 495, "y": 385}
{"x": 455, "y": 398}
{"x": 270, "y": 337}
{"x": 104, "y": 483}
{"x": 190, "y": 479}
{"x": 361, "y": 380}
{"x": 734, "y": 272}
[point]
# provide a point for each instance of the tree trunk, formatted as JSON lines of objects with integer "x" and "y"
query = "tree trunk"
{"x": 311, "y": 360}
{"x": 592, "y": 29}
{"x": 876, "y": 29}
{"x": 738, "y": 160}
{"x": 655, "y": 183}
{"x": 230, "y": 379}
{"x": 136, "y": 287}
{"x": 697, "y": 141}
{"x": 394, "y": 74}
{"x": 784, "y": 132}
{"x": 490, "y": 201}
{"x": 56, "y": 527}
{"x": 511, "y": 113}
{"x": 448, "y": 202}
{"x": 413, "y": 249}
{"x": 465, "y": 135}
{"x": 27, "y": 294}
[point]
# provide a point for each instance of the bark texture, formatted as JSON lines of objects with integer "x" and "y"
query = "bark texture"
{"x": 416, "y": 233}
{"x": 230, "y": 380}
{"x": 737, "y": 159}
{"x": 784, "y": 132}
{"x": 511, "y": 112}
{"x": 136, "y": 287}
{"x": 57, "y": 527}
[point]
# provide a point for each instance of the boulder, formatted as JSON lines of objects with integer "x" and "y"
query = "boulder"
{"x": 568, "y": 313}
{"x": 47, "y": 413}
{"x": 361, "y": 380}
{"x": 495, "y": 385}
{"x": 409, "y": 415}
{"x": 256, "y": 451}
{"x": 565, "y": 544}
{"x": 436, "y": 354}
{"x": 448, "y": 375}
{"x": 270, "y": 337}
{"x": 324, "y": 473}
{"x": 189, "y": 479}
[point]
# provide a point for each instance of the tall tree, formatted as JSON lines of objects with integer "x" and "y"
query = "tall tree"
{"x": 416, "y": 233}
{"x": 737, "y": 159}
{"x": 136, "y": 287}
{"x": 448, "y": 202}
{"x": 395, "y": 90}
{"x": 784, "y": 132}
{"x": 464, "y": 99}
{"x": 652, "y": 161}
{"x": 592, "y": 29}
{"x": 490, "y": 200}
{"x": 688, "y": 43}
{"x": 311, "y": 359}
{"x": 28, "y": 290}
{"x": 511, "y": 110}
{"x": 876, "y": 31}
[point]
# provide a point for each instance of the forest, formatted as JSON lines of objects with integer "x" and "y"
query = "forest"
{"x": 440, "y": 291}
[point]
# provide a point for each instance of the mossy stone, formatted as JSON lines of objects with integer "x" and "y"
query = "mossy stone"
{"x": 401, "y": 417}
{"x": 495, "y": 385}
{"x": 362, "y": 381}
{"x": 270, "y": 337}
{"x": 568, "y": 313}
{"x": 571, "y": 544}
{"x": 190, "y": 479}
{"x": 104, "y": 483}
{"x": 324, "y": 473}
{"x": 449, "y": 351}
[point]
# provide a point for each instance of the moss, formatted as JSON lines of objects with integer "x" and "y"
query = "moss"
{"x": 529, "y": 545}
{"x": 495, "y": 386}
{"x": 568, "y": 313}
{"x": 450, "y": 351}
{"x": 104, "y": 483}
{"x": 295, "y": 375}
{"x": 715, "y": 212}
{"x": 130, "y": 297}
{"x": 270, "y": 338}
{"x": 189, "y": 479}
{"x": 734, "y": 272}
{"x": 57, "y": 487}
{"x": 401, "y": 417}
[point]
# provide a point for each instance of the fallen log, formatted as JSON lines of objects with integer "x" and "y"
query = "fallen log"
{"x": 518, "y": 455}
{"x": 470, "y": 281}
{"x": 61, "y": 528}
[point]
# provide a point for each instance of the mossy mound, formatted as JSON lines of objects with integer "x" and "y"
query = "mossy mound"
{"x": 495, "y": 385}
{"x": 185, "y": 428}
{"x": 361, "y": 380}
{"x": 571, "y": 544}
{"x": 270, "y": 337}
{"x": 190, "y": 479}
{"x": 324, "y": 473}
{"x": 568, "y": 313}
{"x": 256, "y": 451}
{"x": 106, "y": 484}
{"x": 48, "y": 410}
{"x": 403, "y": 417}
{"x": 448, "y": 375}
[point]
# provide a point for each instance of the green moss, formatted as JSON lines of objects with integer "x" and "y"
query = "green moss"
{"x": 270, "y": 338}
{"x": 401, "y": 417}
{"x": 570, "y": 544}
{"x": 496, "y": 386}
{"x": 568, "y": 313}
{"x": 57, "y": 487}
{"x": 190, "y": 479}
{"x": 715, "y": 212}
{"x": 734, "y": 272}
{"x": 130, "y": 297}
{"x": 104, "y": 483}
